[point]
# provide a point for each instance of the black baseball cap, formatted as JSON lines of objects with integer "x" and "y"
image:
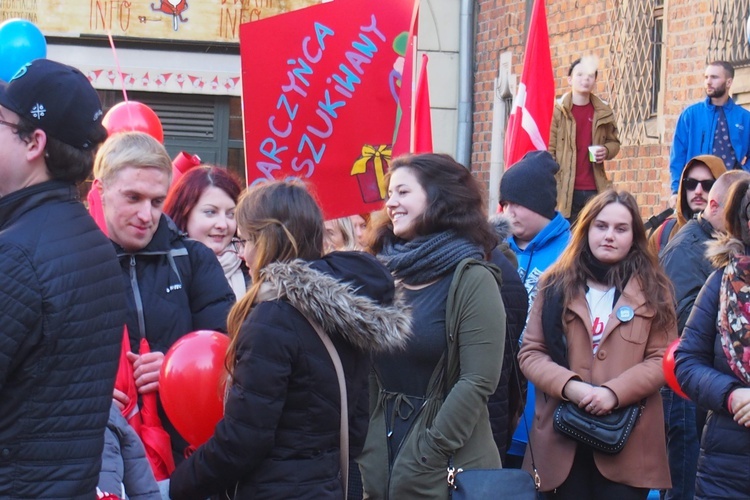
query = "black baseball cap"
{"x": 59, "y": 99}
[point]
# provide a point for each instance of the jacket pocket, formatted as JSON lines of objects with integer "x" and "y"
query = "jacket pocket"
{"x": 420, "y": 470}
{"x": 635, "y": 331}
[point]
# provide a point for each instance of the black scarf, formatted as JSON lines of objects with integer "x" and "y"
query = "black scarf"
{"x": 427, "y": 258}
{"x": 554, "y": 297}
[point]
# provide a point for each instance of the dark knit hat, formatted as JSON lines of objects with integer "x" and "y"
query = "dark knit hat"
{"x": 58, "y": 99}
{"x": 530, "y": 182}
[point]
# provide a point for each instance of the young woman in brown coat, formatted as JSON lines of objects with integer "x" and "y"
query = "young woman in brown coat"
{"x": 596, "y": 336}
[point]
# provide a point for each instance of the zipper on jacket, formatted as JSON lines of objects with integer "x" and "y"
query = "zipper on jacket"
{"x": 389, "y": 433}
{"x": 137, "y": 297}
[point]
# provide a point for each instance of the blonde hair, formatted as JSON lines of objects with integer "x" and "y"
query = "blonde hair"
{"x": 283, "y": 222}
{"x": 345, "y": 225}
{"x": 130, "y": 149}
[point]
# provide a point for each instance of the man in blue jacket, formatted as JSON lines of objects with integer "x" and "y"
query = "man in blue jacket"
{"x": 716, "y": 126}
{"x": 528, "y": 194}
{"x": 62, "y": 300}
{"x": 175, "y": 285}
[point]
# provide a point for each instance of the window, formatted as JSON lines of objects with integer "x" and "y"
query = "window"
{"x": 632, "y": 55}
{"x": 657, "y": 44}
{"x": 728, "y": 41}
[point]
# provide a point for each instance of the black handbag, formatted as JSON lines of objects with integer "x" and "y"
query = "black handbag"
{"x": 480, "y": 484}
{"x": 605, "y": 433}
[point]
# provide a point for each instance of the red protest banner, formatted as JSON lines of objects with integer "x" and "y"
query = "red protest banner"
{"x": 319, "y": 96}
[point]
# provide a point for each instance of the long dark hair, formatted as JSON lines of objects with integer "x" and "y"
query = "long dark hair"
{"x": 284, "y": 223}
{"x": 454, "y": 202}
{"x": 572, "y": 269}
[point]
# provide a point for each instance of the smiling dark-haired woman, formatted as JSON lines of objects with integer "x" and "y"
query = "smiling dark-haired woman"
{"x": 430, "y": 407}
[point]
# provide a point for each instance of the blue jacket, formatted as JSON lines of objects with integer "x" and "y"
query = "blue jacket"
{"x": 694, "y": 135}
{"x": 703, "y": 372}
{"x": 539, "y": 254}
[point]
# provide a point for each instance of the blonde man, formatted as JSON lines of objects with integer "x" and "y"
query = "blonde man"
{"x": 175, "y": 285}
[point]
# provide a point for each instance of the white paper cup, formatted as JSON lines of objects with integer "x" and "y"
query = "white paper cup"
{"x": 592, "y": 153}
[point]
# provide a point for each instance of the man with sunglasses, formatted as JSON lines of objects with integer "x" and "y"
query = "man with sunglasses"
{"x": 62, "y": 298}
{"x": 698, "y": 177}
{"x": 685, "y": 262}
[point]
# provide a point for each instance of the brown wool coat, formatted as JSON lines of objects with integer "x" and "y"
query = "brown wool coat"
{"x": 562, "y": 145}
{"x": 628, "y": 362}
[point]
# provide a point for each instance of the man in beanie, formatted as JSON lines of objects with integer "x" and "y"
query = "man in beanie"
{"x": 61, "y": 293}
{"x": 528, "y": 194}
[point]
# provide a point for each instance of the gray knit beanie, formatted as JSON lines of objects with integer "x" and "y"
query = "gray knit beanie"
{"x": 530, "y": 182}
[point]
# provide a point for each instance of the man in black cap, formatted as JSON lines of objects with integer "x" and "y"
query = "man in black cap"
{"x": 61, "y": 293}
{"x": 528, "y": 194}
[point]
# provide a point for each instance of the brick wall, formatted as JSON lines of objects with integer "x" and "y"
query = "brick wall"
{"x": 584, "y": 27}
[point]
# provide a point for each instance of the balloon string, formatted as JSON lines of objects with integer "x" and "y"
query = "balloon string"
{"x": 119, "y": 72}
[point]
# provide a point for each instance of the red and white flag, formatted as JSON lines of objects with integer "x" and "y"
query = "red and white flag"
{"x": 531, "y": 115}
{"x": 422, "y": 130}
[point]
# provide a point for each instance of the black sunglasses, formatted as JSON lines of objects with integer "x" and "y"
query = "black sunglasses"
{"x": 692, "y": 184}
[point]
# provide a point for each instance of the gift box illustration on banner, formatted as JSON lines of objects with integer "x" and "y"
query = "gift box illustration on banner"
{"x": 370, "y": 170}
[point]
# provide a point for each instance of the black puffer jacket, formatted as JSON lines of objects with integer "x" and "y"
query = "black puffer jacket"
{"x": 279, "y": 437}
{"x": 685, "y": 262}
{"x": 175, "y": 286}
{"x": 61, "y": 316}
{"x": 506, "y": 404}
{"x": 703, "y": 372}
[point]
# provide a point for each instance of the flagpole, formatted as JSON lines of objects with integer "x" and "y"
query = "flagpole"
{"x": 413, "y": 97}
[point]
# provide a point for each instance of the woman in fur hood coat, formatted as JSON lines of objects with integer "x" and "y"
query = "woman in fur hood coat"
{"x": 713, "y": 357}
{"x": 279, "y": 437}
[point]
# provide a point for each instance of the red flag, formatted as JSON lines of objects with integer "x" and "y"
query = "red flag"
{"x": 125, "y": 382}
{"x": 97, "y": 212}
{"x": 155, "y": 438}
{"x": 403, "y": 142}
{"x": 531, "y": 116}
{"x": 422, "y": 131}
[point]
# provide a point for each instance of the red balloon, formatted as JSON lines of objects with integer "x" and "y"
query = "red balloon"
{"x": 667, "y": 364}
{"x": 192, "y": 382}
{"x": 133, "y": 116}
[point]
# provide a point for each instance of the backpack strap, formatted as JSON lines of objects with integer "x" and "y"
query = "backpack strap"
{"x": 665, "y": 232}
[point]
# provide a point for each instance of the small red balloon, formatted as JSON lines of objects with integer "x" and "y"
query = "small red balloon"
{"x": 192, "y": 382}
{"x": 667, "y": 364}
{"x": 133, "y": 116}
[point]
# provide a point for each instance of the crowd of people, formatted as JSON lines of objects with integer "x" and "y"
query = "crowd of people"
{"x": 368, "y": 354}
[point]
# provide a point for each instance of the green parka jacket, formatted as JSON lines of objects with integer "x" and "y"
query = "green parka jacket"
{"x": 457, "y": 425}
{"x": 562, "y": 145}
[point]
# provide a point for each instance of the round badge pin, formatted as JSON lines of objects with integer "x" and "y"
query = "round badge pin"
{"x": 625, "y": 314}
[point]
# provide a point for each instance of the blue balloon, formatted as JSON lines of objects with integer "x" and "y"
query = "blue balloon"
{"x": 20, "y": 42}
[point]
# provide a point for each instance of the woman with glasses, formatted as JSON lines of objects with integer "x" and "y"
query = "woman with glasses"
{"x": 713, "y": 357}
{"x": 202, "y": 204}
{"x": 279, "y": 437}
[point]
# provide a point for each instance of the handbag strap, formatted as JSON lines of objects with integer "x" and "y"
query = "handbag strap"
{"x": 344, "y": 425}
{"x": 517, "y": 370}
{"x": 451, "y": 469}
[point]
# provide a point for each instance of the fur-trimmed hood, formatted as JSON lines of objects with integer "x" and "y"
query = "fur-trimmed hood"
{"x": 720, "y": 251}
{"x": 501, "y": 224}
{"x": 340, "y": 308}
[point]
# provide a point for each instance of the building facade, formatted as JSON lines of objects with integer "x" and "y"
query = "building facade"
{"x": 652, "y": 54}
